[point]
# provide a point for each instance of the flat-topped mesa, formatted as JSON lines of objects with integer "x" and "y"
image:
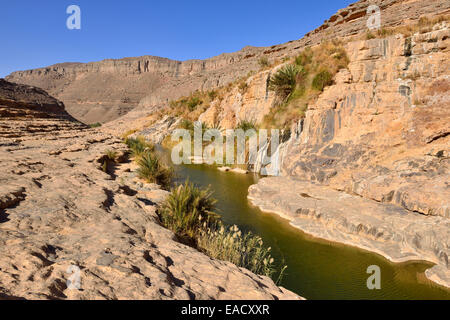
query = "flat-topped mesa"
{"x": 150, "y": 81}
{"x": 27, "y": 111}
{"x": 125, "y": 82}
{"x": 18, "y": 100}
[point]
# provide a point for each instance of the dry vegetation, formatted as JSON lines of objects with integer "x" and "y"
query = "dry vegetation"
{"x": 189, "y": 212}
{"x": 423, "y": 25}
{"x": 299, "y": 83}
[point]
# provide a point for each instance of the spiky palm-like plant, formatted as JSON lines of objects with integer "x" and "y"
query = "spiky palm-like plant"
{"x": 138, "y": 146}
{"x": 153, "y": 171}
{"x": 187, "y": 209}
{"x": 283, "y": 82}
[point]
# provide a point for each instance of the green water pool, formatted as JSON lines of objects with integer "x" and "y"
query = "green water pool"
{"x": 317, "y": 269}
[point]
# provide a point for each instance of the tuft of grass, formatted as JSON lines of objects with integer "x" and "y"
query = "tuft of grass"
{"x": 186, "y": 124}
{"x": 193, "y": 102}
{"x": 153, "y": 171}
{"x": 138, "y": 146}
{"x": 284, "y": 81}
{"x": 128, "y": 133}
{"x": 189, "y": 212}
{"x": 245, "y": 250}
{"x": 243, "y": 86}
{"x": 187, "y": 209}
{"x": 111, "y": 155}
{"x": 321, "y": 80}
{"x": 246, "y": 125}
{"x": 370, "y": 35}
{"x": 105, "y": 167}
{"x": 95, "y": 125}
{"x": 263, "y": 62}
{"x": 212, "y": 94}
{"x": 304, "y": 58}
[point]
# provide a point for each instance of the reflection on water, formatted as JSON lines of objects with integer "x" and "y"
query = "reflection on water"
{"x": 316, "y": 269}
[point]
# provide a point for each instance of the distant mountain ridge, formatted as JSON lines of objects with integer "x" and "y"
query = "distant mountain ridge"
{"x": 106, "y": 90}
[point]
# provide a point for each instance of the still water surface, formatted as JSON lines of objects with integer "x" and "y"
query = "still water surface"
{"x": 317, "y": 269}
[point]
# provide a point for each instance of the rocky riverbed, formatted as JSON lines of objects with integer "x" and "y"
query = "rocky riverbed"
{"x": 63, "y": 218}
{"x": 391, "y": 231}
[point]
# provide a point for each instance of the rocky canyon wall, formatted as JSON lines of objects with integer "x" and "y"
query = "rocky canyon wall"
{"x": 106, "y": 90}
{"x": 60, "y": 214}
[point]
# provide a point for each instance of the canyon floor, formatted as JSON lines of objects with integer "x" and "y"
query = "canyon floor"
{"x": 62, "y": 217}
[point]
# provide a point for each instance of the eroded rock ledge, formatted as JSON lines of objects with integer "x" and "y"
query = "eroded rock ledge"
{"x": 391, "y": 231}
{"x": 59, "y": 209}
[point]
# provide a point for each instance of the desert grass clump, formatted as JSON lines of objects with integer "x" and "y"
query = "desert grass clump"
{"x": 139, "y": 145}
{"x": 243, "y": 86}
{"x": 153, "y": 171}
{"x": 263, "y": 62}
{"x": 187, "y": 209}
{"x": 111, "y": 155}
{"x": 108, "y": 160}
{"x": 283, "y": 82}
{"x": 95, "y": 125}
{"x": 193, "y": 102}
{"x": 245, "y": 250}
{"x": 322, "y": 79}
{"x": 128, "y": 133}
{"x": 189, "y": 212}
{"x": 304, "y": 58}
{"x": 246, "y": 125}
{"x": 370, "y": 35}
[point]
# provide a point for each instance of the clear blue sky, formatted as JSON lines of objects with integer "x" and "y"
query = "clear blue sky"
{"x": 34, "y": 33}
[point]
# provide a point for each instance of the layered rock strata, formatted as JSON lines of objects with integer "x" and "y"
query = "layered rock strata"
{"x": 150, "y": 81}
{"x": 62, "y": 218}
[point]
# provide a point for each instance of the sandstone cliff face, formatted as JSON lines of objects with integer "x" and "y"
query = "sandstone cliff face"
{"x": 380, "y": 138}
{"x": 371, "y": 155}
{"x": 103, "y": 91}
{"x": 62, "y": 218}
{"x": 382, "y": 131}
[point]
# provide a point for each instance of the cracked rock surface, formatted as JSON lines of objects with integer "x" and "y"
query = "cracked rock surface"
{"x": 62, "y": 218}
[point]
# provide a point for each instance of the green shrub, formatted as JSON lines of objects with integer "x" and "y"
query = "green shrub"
{"x": 322, "y": 79}
{"x": 246, "y": 125}
{"x": 187, "y": 209}
{"x": 95, "y": 125}
{"x": 193, "y": 102}
{"x": 152, "y": 170}
{"x": 284, "y": 81}
{"x": 189, "y": 212}
{"x": 138, "y": 145}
